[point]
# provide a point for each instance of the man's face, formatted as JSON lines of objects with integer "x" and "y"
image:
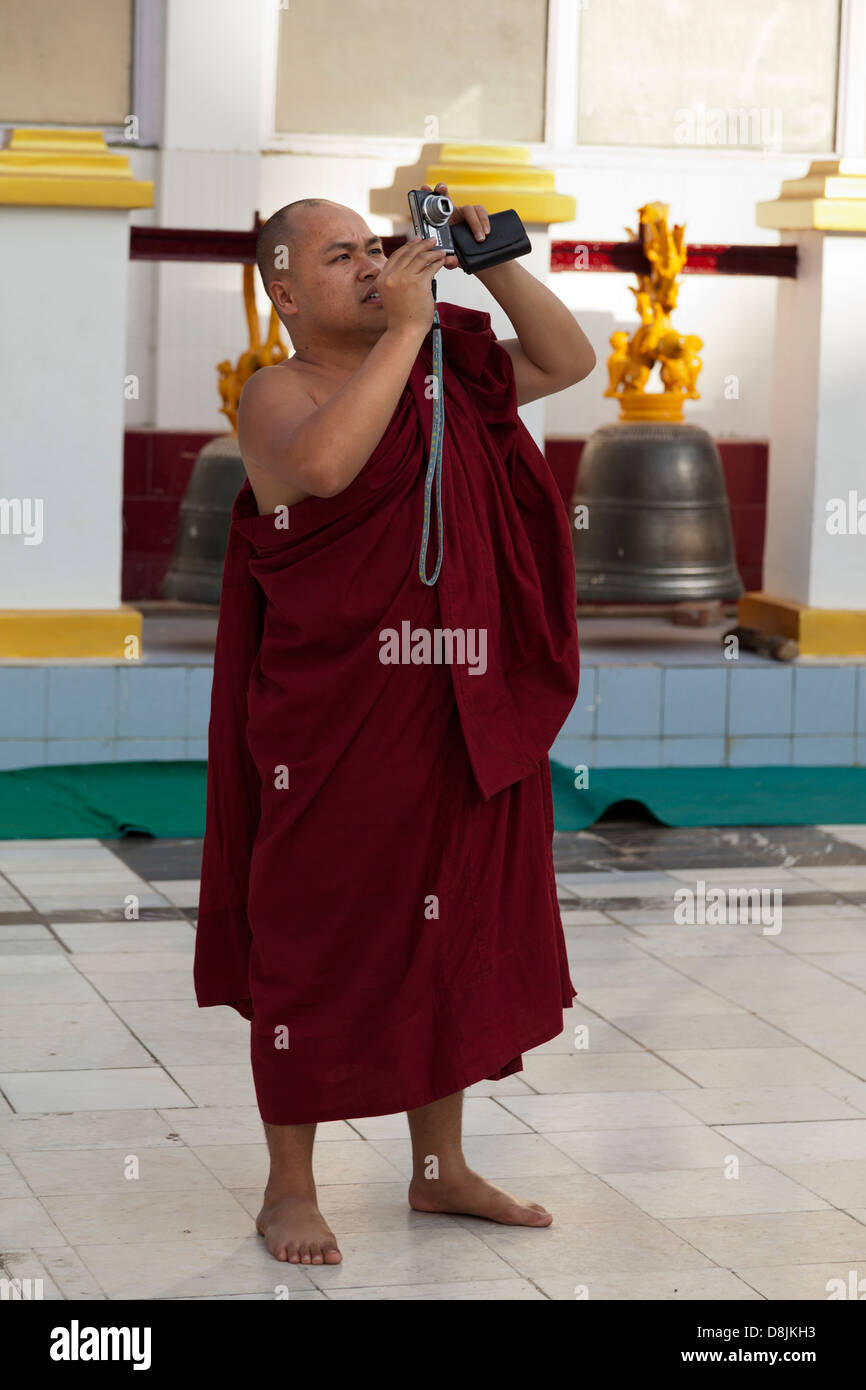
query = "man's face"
{"x": 335, "y": 268}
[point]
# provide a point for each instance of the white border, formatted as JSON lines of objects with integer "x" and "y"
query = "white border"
{"x": 268, "y": 67}
{"x": 664, "y": 158}
{"x": 148, "y": 70}
{"x": 560, "y": 88}
{"x": 851, "y": 81}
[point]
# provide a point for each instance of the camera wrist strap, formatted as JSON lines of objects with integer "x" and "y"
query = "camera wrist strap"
{"x": 434, "y": 465}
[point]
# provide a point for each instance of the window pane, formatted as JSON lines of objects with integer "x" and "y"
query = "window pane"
{"x": 697, "y": 73}
{"x": 66, "y": 64}
{"x": 385, "y": 67}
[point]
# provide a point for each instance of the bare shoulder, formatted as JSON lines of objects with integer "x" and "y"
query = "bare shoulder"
{"x": 274, "y": 402}
{"x": 279, "y": 382}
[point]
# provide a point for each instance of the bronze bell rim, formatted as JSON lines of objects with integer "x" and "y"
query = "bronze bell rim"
{"x": 683, "y": 549}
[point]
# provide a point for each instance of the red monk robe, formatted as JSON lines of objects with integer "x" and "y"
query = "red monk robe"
{"x": 389, "y": 920}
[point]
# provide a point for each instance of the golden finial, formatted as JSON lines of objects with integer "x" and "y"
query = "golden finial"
{"x": 655, "y": 340}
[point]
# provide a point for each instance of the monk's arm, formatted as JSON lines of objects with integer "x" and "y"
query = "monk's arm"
{"x": 551, "y": 350}
{"x": 321, "y": 449}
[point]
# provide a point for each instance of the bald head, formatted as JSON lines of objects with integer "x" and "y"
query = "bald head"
{"x": 280, "y": 238}
{"x": 318, "y": 260}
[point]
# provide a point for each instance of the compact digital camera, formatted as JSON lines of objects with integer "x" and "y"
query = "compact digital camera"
{"x": 506, "y": 239}
{"x": 430, "y": 214}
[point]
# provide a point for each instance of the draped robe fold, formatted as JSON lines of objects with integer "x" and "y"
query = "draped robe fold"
{"x": 377, "y": 889}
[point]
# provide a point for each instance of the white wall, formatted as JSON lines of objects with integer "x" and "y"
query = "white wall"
{"x": 62, "y": 394}
{"x": 220, "y": 158}
{"x": 201, "y": 312}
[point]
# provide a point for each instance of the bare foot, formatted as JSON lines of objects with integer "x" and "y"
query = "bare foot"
{"x": 296, "y": 1231}
{"x": 468, "y": 1194}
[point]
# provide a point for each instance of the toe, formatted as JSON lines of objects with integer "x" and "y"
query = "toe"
{"x": 315, "y": 1254}
{"x": 332, "y": 1255}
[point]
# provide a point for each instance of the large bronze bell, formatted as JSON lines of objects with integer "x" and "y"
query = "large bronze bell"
{"x": 651, "y": 522}
{"x": 195, "y": 574}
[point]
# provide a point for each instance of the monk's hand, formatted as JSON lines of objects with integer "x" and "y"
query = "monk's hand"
{"x": 476, "y": 217}
{"x": 404, "y": 285}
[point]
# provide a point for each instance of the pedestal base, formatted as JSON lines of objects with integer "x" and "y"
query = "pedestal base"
{"x": 817, "y": 631}
{"x": 38, "y": 633}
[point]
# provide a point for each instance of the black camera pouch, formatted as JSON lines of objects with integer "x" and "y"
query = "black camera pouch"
{"x": 506, "y": 240}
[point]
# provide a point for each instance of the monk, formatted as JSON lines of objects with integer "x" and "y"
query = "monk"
{"x": 378, "y": 895}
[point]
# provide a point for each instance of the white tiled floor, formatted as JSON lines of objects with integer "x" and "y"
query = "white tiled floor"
{"x": 705, "y": 1139}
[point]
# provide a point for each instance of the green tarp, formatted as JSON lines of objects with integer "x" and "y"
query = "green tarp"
{"x": 108, "y": 800}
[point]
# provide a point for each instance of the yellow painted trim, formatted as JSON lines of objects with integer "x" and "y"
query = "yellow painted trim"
{"x": 849, "y": 166}
{"x": 501, "y": 177}
{"x": 666, "y": 406}
{"x": 830, "y": 198}
{"x": 485, "y": 154}
{"x": 457, "y": 176}
{"x": 817, "y": 215}
{"x": 497, "y": 176}
{"x": 35, "y": 634}
{"x": 817, "y": 631}
{"x": 530, "y": 207}
{"x": 68, "y": 168}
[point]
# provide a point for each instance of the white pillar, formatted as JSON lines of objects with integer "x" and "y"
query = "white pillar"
{"x": 815, "y": 570}
{"x": 64, "y": 250}
{"x": 218, "y": 69}
{"x": 818, "y": 424}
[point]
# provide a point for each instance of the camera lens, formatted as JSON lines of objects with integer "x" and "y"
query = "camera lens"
{"x": 437, "y": 209}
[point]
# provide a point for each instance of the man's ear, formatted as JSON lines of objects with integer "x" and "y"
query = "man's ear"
{"x": 282, "y": 298}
